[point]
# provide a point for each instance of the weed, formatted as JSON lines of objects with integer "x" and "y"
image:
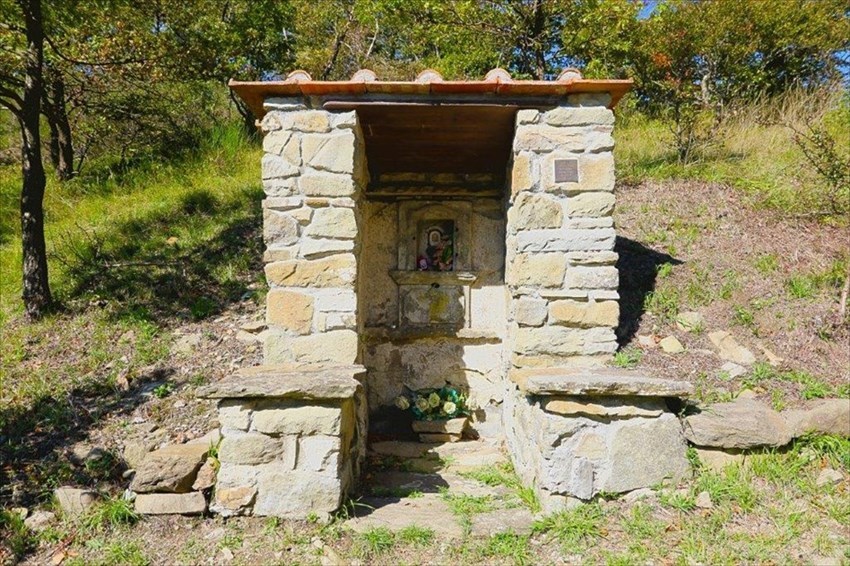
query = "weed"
{"x": 464, "y": 505}
{"x": 641, "y": 524}
{"x": 665, "y": 270}
{"x": 679, "y": 500}
{"x": 163, "y": 390}
{"x": 374, "y": 542}
{"x": 767, "y": 263}
{"x": 628, "y": 357}
{"x": 124, "y": 554}
{"x": 15, "y": 535}
{"x": 504, "y": 474}
{"x": 730, "y": 285}
{"x": 231, "y": 540}
{"x": 110, "y": 514}
{"x": 416, "y": 536}
{"x": 733, "y": 484}
{"x": 581, "y": 525}
{"x": 745, "y": 317}
{"x": 507, "y": 545}
{"x": 664, "y": 303}
{"x": 800, "y": 286}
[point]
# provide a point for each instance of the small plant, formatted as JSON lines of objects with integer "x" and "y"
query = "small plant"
{"x": 417, "y": 536}
{"x": 767, "y": 263}
{"x": 374, "y": 542}
{"x": 434, "y": 404}
{"x": 800, "y": 287}
{"x": 110, "y": 514}
{"x": 664, "y": 303}
{"x": 628, "y": 357}
{"x": 14, "y": 535}
{"x": 572, "y": 527}
{"x": 163, "y": 390}
{"x": 508, "y": 545}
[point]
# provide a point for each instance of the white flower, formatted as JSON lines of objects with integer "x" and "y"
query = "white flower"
{"x": 434, "y": 400}
{"x": 422, "y": 404}
{"x": 402, "y": 403}
{"x": 449, "y": 408}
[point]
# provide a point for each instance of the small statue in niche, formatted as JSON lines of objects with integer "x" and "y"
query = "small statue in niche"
{"x": 439, "y": 247}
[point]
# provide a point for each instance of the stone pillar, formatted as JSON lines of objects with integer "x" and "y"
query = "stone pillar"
{"x": 313, "y": 172}
{"x": 560, "y": 267}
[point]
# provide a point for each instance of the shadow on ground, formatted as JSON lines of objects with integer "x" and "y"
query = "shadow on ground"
{"x": 191, "y": 261}
{"x": 638, "y": 268}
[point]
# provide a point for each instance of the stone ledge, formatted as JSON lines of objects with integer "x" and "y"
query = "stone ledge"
{"x": 312, "y": 382}
{"x": 596, "y": 381}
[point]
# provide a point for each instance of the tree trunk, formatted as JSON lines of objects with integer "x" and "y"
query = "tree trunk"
{"x": 61, "y": 142}
{"x": 36, "y": 288}
{"x": 249, "y": 122}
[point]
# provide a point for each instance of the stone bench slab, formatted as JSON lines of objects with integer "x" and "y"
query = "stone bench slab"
{"x": 597, "y": 381}
{"x": 311, "y": 382}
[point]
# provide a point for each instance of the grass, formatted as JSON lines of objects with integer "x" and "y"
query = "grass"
{"x": 504, "y": 475}
{"x": 579, "y": 526}
{"x": 109, "y": 514}
{"x": 809, "y": 386}
{"x": 628, "y": 357}
{"x": 760, "y": 160}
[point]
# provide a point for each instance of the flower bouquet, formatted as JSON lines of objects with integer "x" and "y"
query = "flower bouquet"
{"x": 440, "y": 415}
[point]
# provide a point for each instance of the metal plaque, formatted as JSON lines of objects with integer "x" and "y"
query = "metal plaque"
{"x": 566, "y": 170}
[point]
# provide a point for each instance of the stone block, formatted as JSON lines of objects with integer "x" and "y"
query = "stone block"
{"x": 590, "y": 204}
{"x": 272, "y": 255}
{"x": 171, "y": 503}
{"x": 234, "y": 414}
{"x": 295, "y": 495}
{"x": 584, "y": 314}
{"x": 326, "y": 185}
{"x": 592, "y": 258}
{"x": 824, "y": 416}
{"x": 170, "y": 469}
{"x": 595, "y": 174}
{"x": 305, "y": 121}
{"x": 604, "y": 381}
{"x": 319, "y": 454}
{"x": 231, "y": 501}
{"x": 285, "y": 144}
{"x": 332, "y": 223}
{"x": 522, "y": 174}
{"x": 277, "y": 167}
{"x": 534, "y": 211}
{"x": 603, "y": 277}
{"x": 449, "y": 426}
{"x": 744, "y": 423}
{"x": 283, "y": 417}
{"x": 329, "y": 152}
{"x": 312, "y": 248}
{"x": 283, "y": 203}
{"x": 335, "y": 271}
{"x": 537, "y": 270}
{"x": 542, "y": 139}
{"x": 553, "y": 340}
{"x": 527, "y": 116}
{"x": 578, "y": 116}
{"x": 250, "y": 448}
{"x": 279, "y": 228}
{"x": 74, "y": 501}
{"x": 280, "y": 188}
{"x": 729, "y": 348}
{"x": 643, "y": 453}
{"x": 438, "y": 437}
{"x": 289, "y": 310}
{"x": 334, "y": 347}
{"x": 565, "y": 240}
{"x": 336, "y": 300}
{"x": 620, "y": 407}
{"x": 530, "y": 312}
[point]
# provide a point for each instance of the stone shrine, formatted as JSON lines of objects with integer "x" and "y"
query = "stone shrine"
{"x": 431, "y": 233}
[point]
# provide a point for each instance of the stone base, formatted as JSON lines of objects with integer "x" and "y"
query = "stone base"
{"x": 450, "y": 430}
{"x": 290, "y": 447}
{"x": 572, "y": 447}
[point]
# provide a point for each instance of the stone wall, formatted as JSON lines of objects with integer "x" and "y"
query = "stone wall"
{"x": 575, "y": 435}
{"x": 560, "y": 261}
{"x": 313, "y": 170}
{"x": 293, "y": 440}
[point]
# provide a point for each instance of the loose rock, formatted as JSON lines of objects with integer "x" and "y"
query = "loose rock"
{"x": 170, "y": 503}
{"x": 73, "y": 501}
{"x": 825, "y": 416}
{"x": 729, "y": 349}
{"x": 703, "y": 501}
{"x": 690, "y": 321}
{"x": 671, "y": 345}
{"x": 39, "y": 520}
{"x": 170, "y": 469}
{"x": 733, "y": 370}
{"x": 828, "y": 476}
{"x": 744, "y": 423}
